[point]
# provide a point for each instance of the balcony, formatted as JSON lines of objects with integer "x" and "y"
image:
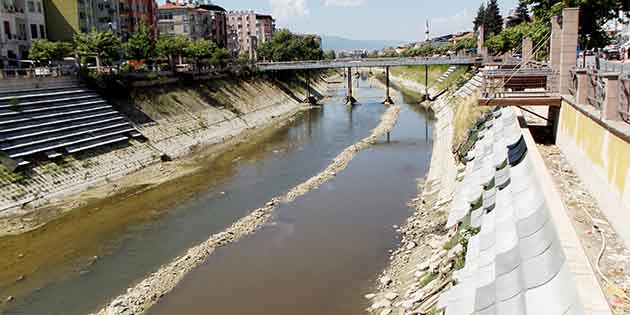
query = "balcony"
{"x": 529, "y": 86}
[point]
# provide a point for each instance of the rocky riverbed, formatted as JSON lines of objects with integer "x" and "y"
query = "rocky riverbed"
{"x": 143, "y": 295}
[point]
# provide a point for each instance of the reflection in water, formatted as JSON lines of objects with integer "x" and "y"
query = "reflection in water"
{"x": 181, "y": 214}
{"x": 322, "y": 251}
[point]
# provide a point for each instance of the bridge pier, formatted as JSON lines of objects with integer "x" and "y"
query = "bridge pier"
{"x": 388, "y": 100}
{"x": 350, "y": 100}
{"x": 310, "y": 99}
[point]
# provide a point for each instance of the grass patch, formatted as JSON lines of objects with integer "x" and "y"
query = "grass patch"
{"x": 426, "y": 279}
{"x": 467, "y": 114}
{"x": 12, "y": 177}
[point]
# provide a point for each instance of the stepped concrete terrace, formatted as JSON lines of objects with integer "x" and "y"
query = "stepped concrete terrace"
{"x": 50, "y": 123}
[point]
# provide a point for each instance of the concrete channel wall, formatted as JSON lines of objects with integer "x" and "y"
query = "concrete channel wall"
{"x": 258, "y": 104}
{"x": 600, "y": 153}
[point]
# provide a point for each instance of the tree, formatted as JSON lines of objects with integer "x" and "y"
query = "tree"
{"x": 200, "y": 49}
{"x": 480, "y": 19}
{"x": 140, "y": 45}
{"x": 100, "y": 45}
{"x": 171, "y": 47}
{"x": 593, "y": 16}
{"x": 44, "y": 50}
{"x": 521, "y": 15}
{"x": 219, "y": 56}
{"x": 509, "y": 39}
{"x": 494, "y": 20}
{"x": 285, "y": 46}
{"x": 330, "y": 55}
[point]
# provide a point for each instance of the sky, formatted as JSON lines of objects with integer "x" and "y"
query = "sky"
{"x": 369, "y": 19}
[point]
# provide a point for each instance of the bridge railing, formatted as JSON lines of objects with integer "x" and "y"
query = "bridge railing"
{"x": 365, "y": 62}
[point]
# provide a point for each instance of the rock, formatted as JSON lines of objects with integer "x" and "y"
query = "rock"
{"x": 419, "y": 274}
{"x": 381, "y": 304}
{"x": 436, "y": 243}
{"x": 20, "y": 278}
{"x": 369, "y": 296}
{"x": 411, "y": 245}
{"x": 270, "y": 203}
{"x": 386, "y": 311}
{"x": 391, "y": 296}
{"x": 9, "y": 298}
{"x": 385, "y": 280}
{"x": 455, "y": 251}
{"x": 423, "y": 266}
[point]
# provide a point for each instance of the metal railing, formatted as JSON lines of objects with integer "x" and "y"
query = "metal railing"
{"x": 495, "y": 83}
{"x": 624, "y": 97}
{"x": 596, "y": 91}
{"x": 574, "y": 83}
{"x": 37, "y": 72}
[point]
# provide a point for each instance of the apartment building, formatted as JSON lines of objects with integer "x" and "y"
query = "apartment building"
{"x": 246, "y": 30}
{"x": 194, "y": 21}
{"x": 123, "y": 17}
{"x": 21, "y": 22}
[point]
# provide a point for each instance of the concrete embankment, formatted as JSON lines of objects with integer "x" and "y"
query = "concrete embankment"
{"x": 177, "y": 120}
{"x": 146, "y": 293}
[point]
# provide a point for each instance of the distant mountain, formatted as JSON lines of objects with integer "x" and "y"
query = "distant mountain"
{"x": 340, "y": 43}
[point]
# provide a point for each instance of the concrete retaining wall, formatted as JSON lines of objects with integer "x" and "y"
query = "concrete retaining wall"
{"x": 600, "y": 153}
{"x": 259, "y": 104}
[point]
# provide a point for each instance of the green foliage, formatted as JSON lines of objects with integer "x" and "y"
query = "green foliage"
{"x": 169, "y": 47}
{"x": 330, "y": 55}
{"x": 140, "y": 45}
{"x": 101, "y": 45}
{"x": 521, "y": 14}
{"x": 426, "y": 279}
{"x": 593, "y": 15}
{"x": 490, "y": 18}
{"x": 12, "y": 177}
{"x": 219, "y": 56}
{"x": 200, "y": 49}
{"x": 286, "y": 46}
{"x": 14, "y": 104}
{"x": 45, "y": 50}
{"x": 509, "y": 39}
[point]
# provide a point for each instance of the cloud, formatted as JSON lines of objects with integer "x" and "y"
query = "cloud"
{"x": 284, "y": 10}
{"x": 343, "y": 3}
{"x": 453, "y": 23}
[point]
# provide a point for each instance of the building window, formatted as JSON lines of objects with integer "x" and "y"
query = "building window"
{"x": 31, "y": 6}
{"x": 33, "y": 31}
{"x": 7, "y": 29}
{"x": 42, "y": 31}
{"x": 39, "y": 7}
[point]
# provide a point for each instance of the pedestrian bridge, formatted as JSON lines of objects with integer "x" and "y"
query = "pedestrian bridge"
{"x": 366, "y": 63}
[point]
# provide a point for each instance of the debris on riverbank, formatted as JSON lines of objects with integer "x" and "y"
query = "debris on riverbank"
{"x": 139, "y": 298}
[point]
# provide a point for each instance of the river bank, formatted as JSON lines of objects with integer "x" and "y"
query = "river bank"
{"x": 420, "y": 268}
{"x": 146, "y": 293}
{"x": 84, "y": 227}
{"x": 178, "y": 123}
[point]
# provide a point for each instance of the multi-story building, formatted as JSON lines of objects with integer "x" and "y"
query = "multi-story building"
{"x": 206, "y": 21}
{"x": 21, "y": 22}
{"x": 123, "y": 17}
{"x": 246, "y": 30}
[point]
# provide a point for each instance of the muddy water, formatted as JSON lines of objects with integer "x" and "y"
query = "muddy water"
{"x": 163, "y": 222}
{"x": 322, "y": 251}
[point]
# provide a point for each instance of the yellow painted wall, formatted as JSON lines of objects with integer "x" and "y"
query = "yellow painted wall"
{"x": 62, "y": 19}
{"x": 609, "y": 154}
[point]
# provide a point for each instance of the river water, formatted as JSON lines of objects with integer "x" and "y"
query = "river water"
{"x": 316, "y": 256}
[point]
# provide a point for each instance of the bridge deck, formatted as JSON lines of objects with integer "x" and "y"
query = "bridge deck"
{"x": 365, "y": 63}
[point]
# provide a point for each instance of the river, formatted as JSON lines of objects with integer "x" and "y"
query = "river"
{"x": 317, "y": 255}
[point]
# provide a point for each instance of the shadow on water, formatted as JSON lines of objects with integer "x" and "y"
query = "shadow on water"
{"x": 323, "y": 251}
